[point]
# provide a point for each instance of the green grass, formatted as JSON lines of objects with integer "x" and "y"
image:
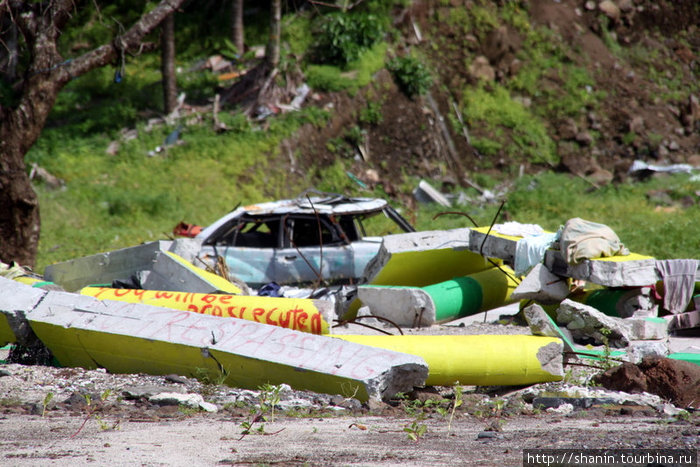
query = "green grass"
{"x": 351, "y": 77}
{"x": 551, "y": 199}
{"x": 495, "y": 110}
{"x": 143, "y": 202}
{"x": 116, "y": 201}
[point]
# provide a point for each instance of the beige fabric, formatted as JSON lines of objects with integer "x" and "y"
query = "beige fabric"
{"x": 582, "y": 239}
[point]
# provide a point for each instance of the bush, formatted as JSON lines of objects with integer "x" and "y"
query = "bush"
{"x": 411, "y": 76}
{"x": 343, "y": 37}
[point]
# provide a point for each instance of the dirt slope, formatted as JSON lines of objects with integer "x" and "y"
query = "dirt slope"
{"x": 643, "y": 57}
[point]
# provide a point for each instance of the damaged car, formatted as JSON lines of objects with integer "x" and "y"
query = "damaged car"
{"x": 325, "y": 238}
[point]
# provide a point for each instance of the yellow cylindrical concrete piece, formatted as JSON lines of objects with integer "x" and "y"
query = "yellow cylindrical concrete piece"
{"x": 299, "y": 314}
{"x": 481, "y": 360}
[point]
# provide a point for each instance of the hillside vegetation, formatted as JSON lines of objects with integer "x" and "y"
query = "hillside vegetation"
{"x": 544, "y": 103}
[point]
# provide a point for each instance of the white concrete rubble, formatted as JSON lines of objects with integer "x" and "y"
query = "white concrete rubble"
{"x": 542, "y": 286}
{"x": 191, "y": 400}
{"x": 648, "y": 328}
{"x": 637, "y": 350}
{"x": 586, "y": 322}
{"x": 404, "y": 306}
{"x": 541, "y": 324}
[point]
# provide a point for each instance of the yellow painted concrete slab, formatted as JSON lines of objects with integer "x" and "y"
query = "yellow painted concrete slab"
{"x": 421, "y": 268}
{"x": 135, "y": 338}
{"x": 482, "y": 360}
{"x": 6, "y": 334}
{"x": 217, "y": 281}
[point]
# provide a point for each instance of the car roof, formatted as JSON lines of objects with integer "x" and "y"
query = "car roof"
{"x": 322, "y": 203}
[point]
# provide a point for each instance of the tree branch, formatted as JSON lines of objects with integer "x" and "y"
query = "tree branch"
{"x": 105, "y": 54}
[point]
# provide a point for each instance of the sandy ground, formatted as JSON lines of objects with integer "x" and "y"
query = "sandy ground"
{"x": 211, "y": 440}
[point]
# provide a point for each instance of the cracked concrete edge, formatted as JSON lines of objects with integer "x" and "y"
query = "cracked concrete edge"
{"x": 541, "y": 285}
{"x": 397, "y": 379}
{"x": 17, "y": 300}
{"x": 404, "y": 306}
{"x": 551, "y": 358}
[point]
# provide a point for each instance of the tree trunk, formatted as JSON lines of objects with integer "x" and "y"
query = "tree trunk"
{"x": 237, "y": 26}
{"x": 8, "y": 64}
{"x": 45, "y": 73}
{"x": 272, "y": 54}
{"x": 19, "y": 206}
{"x": 167, "y": 61}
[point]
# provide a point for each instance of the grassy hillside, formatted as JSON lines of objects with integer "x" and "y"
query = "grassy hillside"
{"x": 556, "y": 105}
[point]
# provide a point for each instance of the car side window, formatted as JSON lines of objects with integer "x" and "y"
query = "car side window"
{"x": 305, "y": 232}
{"x": 252, "y": 233}
{"x": 257, "y": 234}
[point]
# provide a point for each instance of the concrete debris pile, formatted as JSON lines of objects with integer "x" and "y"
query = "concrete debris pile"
{"x": 152, "y": 309}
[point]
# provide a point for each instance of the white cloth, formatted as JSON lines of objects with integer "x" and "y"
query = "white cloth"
{"x": 516, "y": 229}
{"x": 530, "y": 251}
{"x": 582, "y": 239}
{"x": 678, "y": 276}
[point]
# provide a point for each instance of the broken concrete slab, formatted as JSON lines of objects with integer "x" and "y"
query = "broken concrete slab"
{"x": 133, "y": 338}
{"x": 151, "y": 264}
{"x": 481, "y": 360}
{"x": 633, "y": 270}
{"x": 493, "y": 244}
{"x": 687, "y": 320}
{"x": 422, "y": 258}
{"x": 442, "y": 302}
{"x": 103, "y": 268}
{"x": 542, "y": 286}
{"x": 403, "y": 306}
{"x": 541, "y": 324}
{"x": 585, "y": 322}
{"x": 425, "y": 193}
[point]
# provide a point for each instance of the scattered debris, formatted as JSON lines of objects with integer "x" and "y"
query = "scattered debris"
{"x": 51, "y": 181}
{"x": 153, "y": 309}
{"x": 425, "y": 193}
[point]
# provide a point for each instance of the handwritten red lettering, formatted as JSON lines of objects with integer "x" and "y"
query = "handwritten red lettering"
{"x": 269, "y": 320}
{"x": 209, "y": 298}
{"x": 258, "y": 312}
{"x": 316, "y": 326}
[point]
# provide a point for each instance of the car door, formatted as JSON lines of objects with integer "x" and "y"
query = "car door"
{"x": 313, "y": 249}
